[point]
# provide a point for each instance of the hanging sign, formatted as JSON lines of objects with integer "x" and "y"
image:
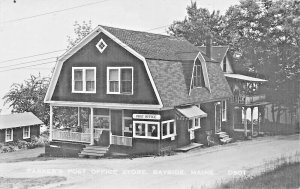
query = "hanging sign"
{"x": 146, "y": 116}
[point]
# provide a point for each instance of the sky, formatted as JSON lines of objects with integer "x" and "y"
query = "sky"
{"x": 35, "y": 27}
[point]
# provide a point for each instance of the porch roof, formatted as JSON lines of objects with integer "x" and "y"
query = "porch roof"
{"x": 191, "y": 112}
{"x": 245, "y": 78}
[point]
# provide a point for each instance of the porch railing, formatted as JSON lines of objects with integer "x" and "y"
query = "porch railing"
{"x": 248, "y": 99}
{"x": 71, "y": 136}
{"x": 120, "y": 140}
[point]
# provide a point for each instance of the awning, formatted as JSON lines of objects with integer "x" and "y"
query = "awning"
{"x": 192, "y": 112}
{"x": 244, "y": 77}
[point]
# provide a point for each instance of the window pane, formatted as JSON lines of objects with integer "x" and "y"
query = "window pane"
{"x": 113, "y": 75}
{"x": 114, "y": 86}
{"x": 165, "y": 129}
{"x": 127, "y": 125}
{"x": 78, "y": 85}
{"x": 90, "y": 75}
{"x": 140, "y": 129}
{"x": 90, "y": 86}
{"x": 196, "y": 122}
{"x": 126, "y": 87}
{"x": 78, "y": 75}
{"x": 101, "y": 122}
{"x": 126, "y": 74}
{"x": 172, "y": 128}
{"x": 152, "y": 130}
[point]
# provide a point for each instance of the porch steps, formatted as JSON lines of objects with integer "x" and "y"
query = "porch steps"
{"x": 224, "y": 137}
{"x": 93, "y": 151}
{"x": 189, "y": 147}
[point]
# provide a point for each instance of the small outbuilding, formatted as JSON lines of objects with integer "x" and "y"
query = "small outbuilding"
{"x": 19, "y": 126}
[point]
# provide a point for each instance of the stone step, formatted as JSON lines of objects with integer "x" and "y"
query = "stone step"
{"x": 188, "y": 147}
{"x": 82, "y": 154}
{"x": 95, "y": 150}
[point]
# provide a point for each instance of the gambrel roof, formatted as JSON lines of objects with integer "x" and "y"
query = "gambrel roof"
{"x": 169, "y": 63}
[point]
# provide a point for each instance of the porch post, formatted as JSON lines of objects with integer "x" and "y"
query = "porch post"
{"x": 245, "y": 120}
{"x": 92, "y": 126}
{"x": 78, "y": 116}
{"x": 252, "y": 121}
{"x": 258, "y": 118}
{"x": 51, "y": 123}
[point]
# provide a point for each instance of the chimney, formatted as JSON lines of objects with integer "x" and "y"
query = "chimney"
{"x": 208, "y": 45}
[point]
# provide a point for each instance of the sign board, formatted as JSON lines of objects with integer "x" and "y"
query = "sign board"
{"x": 146, "y": 116}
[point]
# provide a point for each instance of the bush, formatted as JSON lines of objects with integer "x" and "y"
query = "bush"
{"x": 21, "y": 144}
{"x": 5, "y": 149}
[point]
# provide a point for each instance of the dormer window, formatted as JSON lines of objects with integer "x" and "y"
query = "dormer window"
{"x": 198, "y": 77}
{"x": 224, "y": 64}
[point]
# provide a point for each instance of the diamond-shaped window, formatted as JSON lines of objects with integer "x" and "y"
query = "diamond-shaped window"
{"x": 101, "y": 45}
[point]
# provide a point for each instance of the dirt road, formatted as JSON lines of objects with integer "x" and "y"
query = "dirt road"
{"x": 193, "y": 169}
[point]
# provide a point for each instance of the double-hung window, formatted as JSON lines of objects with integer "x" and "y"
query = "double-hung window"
{"x": 26, "y": 132}
{"x": 9, "y": 135}
{"x": 146, "y": 129}
{"x": 168, "y": 129}
{"x": 84, "y": 80}
{"x": 120, "y": 80}
{"x": 224, "y": 110}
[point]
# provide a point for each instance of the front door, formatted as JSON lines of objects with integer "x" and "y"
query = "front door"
{"x": 217, "y": 117}
{"x": 102, "y": 130}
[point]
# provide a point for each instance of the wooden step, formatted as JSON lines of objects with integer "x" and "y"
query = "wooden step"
{"x": 93, "y": 151}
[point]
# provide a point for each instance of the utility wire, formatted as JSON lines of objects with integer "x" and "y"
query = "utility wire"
{"x": 4, "y": 61}
{"x": 10, "y": 60}
{"x": 28, "y": 66}
{"x": 47, "y": 13}
{"x": 12, "y": 65}
{"x": 142, "y": 42}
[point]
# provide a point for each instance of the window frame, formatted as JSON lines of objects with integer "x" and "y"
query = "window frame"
{"x": 194, "y": 122}
{"x": 119, "y": 80}
{"x": 168, "y": 129}
{"x": 202, "y": 83}
{"x": 83, "y": 79}
{"x": 224, "y": 110}
{"x": 11, "y": 135}
{"x": 24, "y": 131}
{"x": 146, "y": 129}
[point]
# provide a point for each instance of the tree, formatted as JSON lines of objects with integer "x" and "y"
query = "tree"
{"x": 197, "y": 24}
{"x": 80, "y": 31}
{"x": 267, "y": 34}
{"x": 264, "y": 33}
{"x": 29, "y": 97}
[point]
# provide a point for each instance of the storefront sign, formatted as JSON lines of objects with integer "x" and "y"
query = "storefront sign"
{"x": 146, "y": 116}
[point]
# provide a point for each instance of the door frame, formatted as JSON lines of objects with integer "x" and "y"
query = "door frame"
{"x": 220, "y": 117}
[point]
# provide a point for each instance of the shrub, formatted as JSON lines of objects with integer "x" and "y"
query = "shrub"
{"x": 5, "y": 149}
{"x": 21, "y": 144}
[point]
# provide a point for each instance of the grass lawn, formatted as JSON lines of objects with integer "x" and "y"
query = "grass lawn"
{"x": 285, "y": 176}
{"x": 24, "y": 183}
{"x": 23, "y": 155}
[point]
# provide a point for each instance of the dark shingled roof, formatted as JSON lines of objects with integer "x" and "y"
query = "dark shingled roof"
{"x": 155, "y": 46}
{"x": 173, "y": 89}
{"x": 170, "y": 61}
{"x": 218, "y": 52}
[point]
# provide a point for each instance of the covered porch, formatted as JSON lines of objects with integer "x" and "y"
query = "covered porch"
{"x": 86, "y": 125}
